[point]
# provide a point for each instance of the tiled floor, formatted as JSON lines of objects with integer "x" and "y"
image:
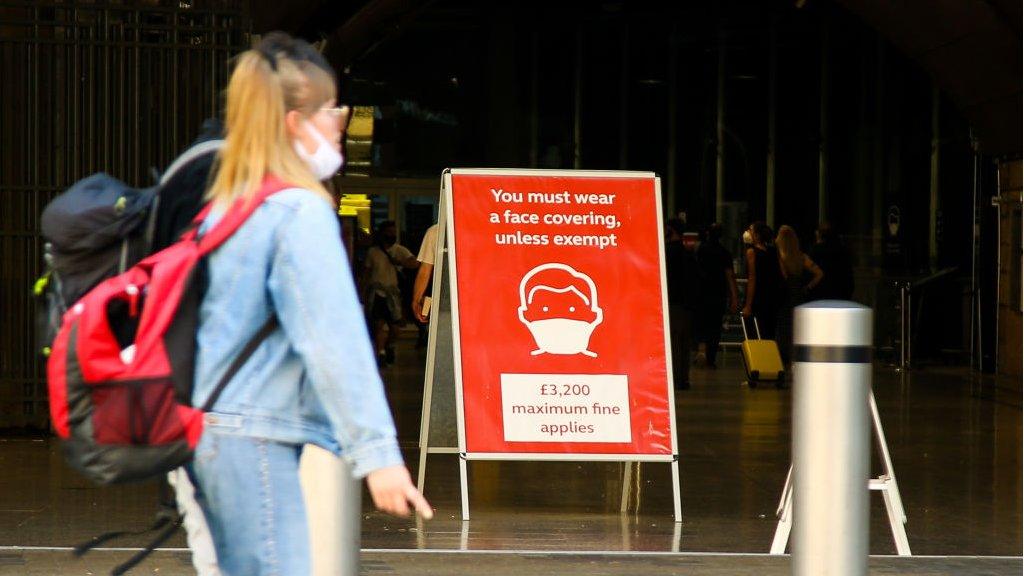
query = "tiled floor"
{"x": 955, "y": 443}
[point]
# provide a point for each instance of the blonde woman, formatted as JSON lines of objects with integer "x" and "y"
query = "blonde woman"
{"x": 299, "y": 387}
{"x": 796, "y": 268}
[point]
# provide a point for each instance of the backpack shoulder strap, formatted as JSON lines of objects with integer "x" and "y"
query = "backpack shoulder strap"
{"x": 189, "y": 155}
{"x": 250, "y": 347}
{"x": 194, "y": 152}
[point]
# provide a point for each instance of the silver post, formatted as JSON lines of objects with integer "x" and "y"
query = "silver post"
{"x": 351, "y": 519}
{"x": 831, "y": 438}
{"x": 333, "y": 504}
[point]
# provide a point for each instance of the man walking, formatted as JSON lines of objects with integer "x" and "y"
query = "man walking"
{"x": 718, "y": 293}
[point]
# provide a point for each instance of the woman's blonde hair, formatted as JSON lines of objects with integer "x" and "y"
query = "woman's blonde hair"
{"x": 265, "y": 85}
{"x": 790, "y": 256}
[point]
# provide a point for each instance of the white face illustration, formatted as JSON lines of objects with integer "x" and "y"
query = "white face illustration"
{"x": 558, "y": 305}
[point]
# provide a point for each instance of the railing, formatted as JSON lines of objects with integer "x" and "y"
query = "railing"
{"x": 732, "y": 332}
{"x": 906, "y": 314}
{"x": 908, "y": 290}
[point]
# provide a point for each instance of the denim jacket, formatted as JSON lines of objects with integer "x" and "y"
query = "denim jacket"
{"x": 314, "y": 380}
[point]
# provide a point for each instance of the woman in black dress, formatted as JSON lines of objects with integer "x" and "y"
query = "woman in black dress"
{"x": 764, "y": 281}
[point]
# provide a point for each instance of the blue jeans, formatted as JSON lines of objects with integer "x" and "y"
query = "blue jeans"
{"x": 249, "y": 491}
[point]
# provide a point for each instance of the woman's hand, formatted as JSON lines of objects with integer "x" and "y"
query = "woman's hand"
{"x": 747, "y": 311}
{"x": 392, "y": 491}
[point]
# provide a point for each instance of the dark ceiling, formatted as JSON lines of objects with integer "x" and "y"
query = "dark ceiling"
{"x": 972, "y": 48}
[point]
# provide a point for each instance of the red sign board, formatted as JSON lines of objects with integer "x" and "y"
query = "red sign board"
{"x": 560, "y": 313}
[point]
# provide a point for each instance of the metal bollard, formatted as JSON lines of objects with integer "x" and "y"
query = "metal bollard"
{"x": 333, "y": 505}
{"x": 351, "y": 520}
{"x": 831, "y": 438}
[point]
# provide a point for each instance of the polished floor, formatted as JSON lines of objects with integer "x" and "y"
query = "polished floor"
{"x": 955, "y": 441}
{"x": 440, "y": 563}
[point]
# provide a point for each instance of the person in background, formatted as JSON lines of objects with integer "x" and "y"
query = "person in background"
{"x": 425, "y": 275}
{"x": 718, "y": 293}
{"x": 285, "y": 261}
{"x": 764, "y": 280}
{"x": 800, "y": 275}
{"x": 383, "y": 297}
{"x": 683, "y": 299}
{"x": 836, "y": 263}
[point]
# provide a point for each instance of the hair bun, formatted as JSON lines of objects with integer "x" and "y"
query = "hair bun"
{"x": 268, "y": 56}
{"x": 278, "y": 44}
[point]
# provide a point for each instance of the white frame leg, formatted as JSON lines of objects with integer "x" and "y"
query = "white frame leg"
{"x": 421, "y": 472}
{"x": 627, "y": 481}
{"x": 677, "y": 536}
{"x": 896, "y": 521}
{"x": 676, "y": 490}
{"x": 886, "y": 484}
{"x": 464, "y": 480}
{"x": 785, "y": 515}
{"x": 627, "y": 485}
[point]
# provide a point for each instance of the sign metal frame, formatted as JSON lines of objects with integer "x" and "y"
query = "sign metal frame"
{"x": 446, "y": 256}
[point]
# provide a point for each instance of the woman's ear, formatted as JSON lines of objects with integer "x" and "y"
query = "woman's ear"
{"x": 293, "y": 121}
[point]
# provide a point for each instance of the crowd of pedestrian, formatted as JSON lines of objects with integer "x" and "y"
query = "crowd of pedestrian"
{"x": 703, "y": 288}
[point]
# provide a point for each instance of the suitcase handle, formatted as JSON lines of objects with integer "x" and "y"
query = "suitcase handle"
{"x": 743, "y": 323}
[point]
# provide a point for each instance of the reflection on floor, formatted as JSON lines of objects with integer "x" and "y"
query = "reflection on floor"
{"x": 955, "y": 442}
{"x": 438, "y": 563}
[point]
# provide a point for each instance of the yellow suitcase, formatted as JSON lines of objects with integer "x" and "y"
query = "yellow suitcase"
{"x": 761, "y": 358}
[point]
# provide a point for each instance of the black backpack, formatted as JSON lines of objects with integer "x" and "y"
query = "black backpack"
{"x": 100, "y": 227}
{"x": 92, "y": 231}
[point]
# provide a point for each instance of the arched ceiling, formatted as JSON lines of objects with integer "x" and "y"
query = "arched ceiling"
{"x": 972, "y": 48}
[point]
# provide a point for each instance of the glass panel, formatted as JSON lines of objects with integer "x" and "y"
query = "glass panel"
{"x": 380, "y": 209}
{"x": 417, "y": 214}
{"x": 359, "y": 142}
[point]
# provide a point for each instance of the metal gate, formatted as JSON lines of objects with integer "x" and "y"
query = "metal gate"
{"x": 88, "y": 86}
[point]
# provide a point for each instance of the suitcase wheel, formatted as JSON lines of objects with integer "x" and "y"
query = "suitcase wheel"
{"x": 755, "y": 374}
{"x": 781, "y": 382}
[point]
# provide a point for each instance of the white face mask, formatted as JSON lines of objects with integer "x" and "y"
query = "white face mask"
{"x": 325, "y": 161}
{"x": 562, "y": 335}
{"x": 554, "y": 334}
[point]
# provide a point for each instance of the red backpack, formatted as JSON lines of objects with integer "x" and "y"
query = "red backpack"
{"x": 121, "y": 372}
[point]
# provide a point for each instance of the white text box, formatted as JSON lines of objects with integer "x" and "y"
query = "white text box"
{"x": 566, "y": 408}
